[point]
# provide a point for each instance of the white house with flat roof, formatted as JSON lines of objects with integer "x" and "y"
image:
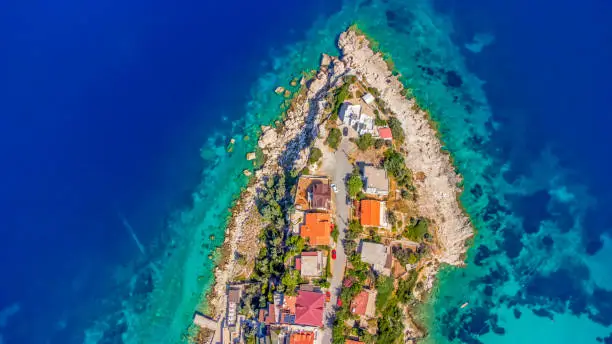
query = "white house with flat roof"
{"x": 377, "y": 255}
{"x": 351, "y": 115}
{"x": 375, "y": 181}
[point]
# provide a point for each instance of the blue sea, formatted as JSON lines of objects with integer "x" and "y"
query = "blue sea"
{"x": 118, "y": 174}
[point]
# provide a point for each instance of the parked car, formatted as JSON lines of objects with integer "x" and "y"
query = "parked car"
{"x": 335, "y": 188}
{"x": 327, "y": 296}
{"x": 339, "y": 303}
{"x": 345, "y": 131}
{"x": 333, "y": 254}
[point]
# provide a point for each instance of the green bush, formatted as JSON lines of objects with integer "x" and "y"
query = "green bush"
{"x": 354, "y": 185}
{"x": 379, "y": 121}
{"x": 384, "y": 286}
{"x": 390, "y": 325}
{"x": 379, "y": 143}
{"x": 417, "y": 230}
{"x": 395, "y": 165}
{"x": 396, "y": 130}
{"x": 315, "y": 155}
{"x": 340, "y": 95}
{"x": 365, "y": 141}
{"x": 334, "y": 137}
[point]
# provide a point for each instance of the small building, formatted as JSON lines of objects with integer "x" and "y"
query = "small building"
{"x": 313, "y": 192}
{"x": 348, "y": 112}
{"x": 316, "y": 229}
{"x": 234, "y": 295}
{"x": 368, "y": 98}
{"x": 375, "y": 181}
{"x": 320, "y": 196}
{"x": 377, "y": 255}
{"x": 350, "y": 341}
{"x": 311, "y": 264}
{"x": 373, "y": 213}
{"x": 385, "y": 133}
{"x": 309, "y": 308}
{"x": 352, "y": 116}
{"x": 364, "y": 304}
{"x": 302, "y": 338}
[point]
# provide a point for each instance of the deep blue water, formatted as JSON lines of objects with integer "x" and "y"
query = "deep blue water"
{"x": 104, "y": 106}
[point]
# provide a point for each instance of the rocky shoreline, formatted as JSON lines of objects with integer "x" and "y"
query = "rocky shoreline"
{"x": 286, "y": 148}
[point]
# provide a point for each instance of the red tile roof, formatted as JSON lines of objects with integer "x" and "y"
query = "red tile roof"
{"x": 360, "y": 303}
{"x": 370, "y": 213}
{"x": 309, "y": 308}
{"x": 350, "y": 341}
{"x": 385, "y": 133}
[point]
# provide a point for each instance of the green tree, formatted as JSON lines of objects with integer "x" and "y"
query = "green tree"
{"x": 379, "y": 143}
{"x": 365, "y": 141}
{"x": 290, "y": 280}
{"x": 334, "y": 137}
{"x": 396, "y": 129}
{"x": 315, "y": 155}
{"x": 355, "y": 184}
{"x": 390, "y": 326}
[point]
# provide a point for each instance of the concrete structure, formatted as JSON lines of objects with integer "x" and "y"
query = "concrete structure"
{"x": 368, "y": 98}
{"x": 204, "y": 322}
{"x": 373, "y": 213}
{"x": 311, "y": 264}
{"x": 377, "y": 255}
{"x": 375, "y": 181}
{"x": 348, "y": 112}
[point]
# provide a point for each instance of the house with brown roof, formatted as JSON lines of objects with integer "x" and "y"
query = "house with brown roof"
{"x": 320, "y": 196}
{"x": 309, "y": 308}
{"x": 313, "y": 193}
{"x": 364, "y": 303}
{"x": 316, "y": 229}
{"x": 373, "y": 213}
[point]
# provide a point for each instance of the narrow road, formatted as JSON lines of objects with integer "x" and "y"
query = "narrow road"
{"x": 343, "y": 167}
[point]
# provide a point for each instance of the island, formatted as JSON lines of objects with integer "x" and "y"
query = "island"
{"x": 351, "y": 212}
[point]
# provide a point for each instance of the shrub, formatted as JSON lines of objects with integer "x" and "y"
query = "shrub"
{"x": 334, "y": 137}
{"x": 396, "y": 130}
{"x": 379, "y": 121}
{"x": 379, "y": 143}
{"x": 396, "y": 167}
{"x": 384, "y": 286}
{"x": 417, "y": 230}
{"x": 315, "y": 155}
{"x": 355, "y": 184}
{"x": 365, "y": 141}
{"x": 390, "y": 325}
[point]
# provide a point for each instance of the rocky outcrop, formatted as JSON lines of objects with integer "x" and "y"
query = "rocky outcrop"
{"x": 438, "y": 192}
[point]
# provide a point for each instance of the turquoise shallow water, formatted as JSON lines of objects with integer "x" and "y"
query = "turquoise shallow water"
{"x": 516, "y": 280}
{"x": 534, "y": 183}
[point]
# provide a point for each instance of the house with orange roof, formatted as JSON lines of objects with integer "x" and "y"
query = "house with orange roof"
{"x": 373, "y": 213}
{"x": 317, "y": 229}
{"x": 302, "y": 338}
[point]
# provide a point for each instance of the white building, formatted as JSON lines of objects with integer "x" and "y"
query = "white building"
{"x": 368, "y": 98}
{"x": 351, "y": 115}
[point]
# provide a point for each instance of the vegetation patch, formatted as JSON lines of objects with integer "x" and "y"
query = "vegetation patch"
{"x": 315, "y": 155}
{"x": 333, "y": 138}
{"x": 365, "y": 141}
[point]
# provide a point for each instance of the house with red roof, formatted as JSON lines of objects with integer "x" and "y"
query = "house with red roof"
{"x": 364, "y": 303}
{"x": 309, "y": 308}
{"x": 385, "y": 133}
{"x": 302, "y": 338}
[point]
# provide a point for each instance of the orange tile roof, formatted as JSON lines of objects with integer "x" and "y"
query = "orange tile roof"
{"x": 317, "y": 228}
{"x": 289, "y": 304}
{"x": 370, "y": 213}
{"x": 301, "y": 338}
